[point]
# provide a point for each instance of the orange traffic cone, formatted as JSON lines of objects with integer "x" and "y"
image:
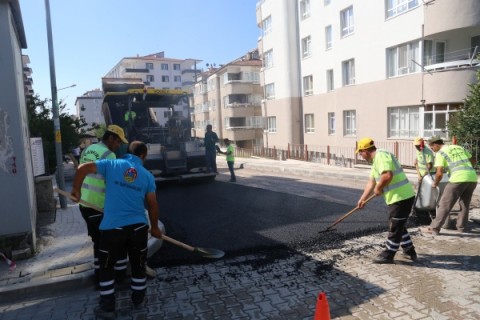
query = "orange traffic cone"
{"x": 322, "y": 311}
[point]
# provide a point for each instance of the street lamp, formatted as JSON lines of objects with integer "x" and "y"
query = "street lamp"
{"x": 55, "y": 112}
{"x": 71, "y": 86}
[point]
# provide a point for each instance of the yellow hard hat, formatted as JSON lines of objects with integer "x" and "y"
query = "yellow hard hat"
{"x": 364, "y": 143}
{"x": 418, "y": 141}
{"x": 118, "y": 131}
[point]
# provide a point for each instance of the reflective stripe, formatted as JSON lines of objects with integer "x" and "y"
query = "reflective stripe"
{"x": 106, "y": 283}
{"x": 93, "y": 188}
{"x": 106, "y": 154}
{"x": 391, "y": 187}
{"x": 107, "y": 292}
{"x": 457, "y": 165}
{"x": 397, "y": 171}
{"x": 138, "y": 288}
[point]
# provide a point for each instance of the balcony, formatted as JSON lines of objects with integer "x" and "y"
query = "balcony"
{"x": 460, "y": 59}
{"x": 135, "y": 70}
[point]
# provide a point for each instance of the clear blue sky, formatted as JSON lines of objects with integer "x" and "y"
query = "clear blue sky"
{"x": 91, "y": 36}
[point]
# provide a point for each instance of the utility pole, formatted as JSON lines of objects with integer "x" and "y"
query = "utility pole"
{"x": 55, "y": 112}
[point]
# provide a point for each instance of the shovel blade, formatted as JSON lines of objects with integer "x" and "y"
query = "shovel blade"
{"x": 210, "y": 253}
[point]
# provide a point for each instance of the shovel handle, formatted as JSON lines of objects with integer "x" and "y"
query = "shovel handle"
{"x": 345, "y": 216}
{"x": 164, "y": 237}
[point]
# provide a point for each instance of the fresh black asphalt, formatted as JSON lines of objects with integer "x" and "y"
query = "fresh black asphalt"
{"x": 240, "y": 220}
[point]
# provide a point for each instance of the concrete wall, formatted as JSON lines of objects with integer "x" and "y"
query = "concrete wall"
{"x": 17, "y": 188}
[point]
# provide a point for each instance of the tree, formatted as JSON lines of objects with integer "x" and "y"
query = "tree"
{"x": 41, "y": 125}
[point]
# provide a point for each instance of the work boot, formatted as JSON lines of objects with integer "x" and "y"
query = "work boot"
{"x": 386, "y": 256}
{"x": 106, "y": 309}
{"x": 410, "y": 254}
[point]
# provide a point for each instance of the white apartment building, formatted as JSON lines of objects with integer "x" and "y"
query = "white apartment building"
{"x": 157, "y": 71}
{"x": 335, "y": 71}
{"x": 89, "y": 106}
{"x": 229, "y": 98}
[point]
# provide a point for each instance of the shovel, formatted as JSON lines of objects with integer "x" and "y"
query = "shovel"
{"x": 204, "y": 252}
{"x": 345, "y": 216}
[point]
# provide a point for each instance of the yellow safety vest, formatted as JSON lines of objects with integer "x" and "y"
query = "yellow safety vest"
{"x": 231, "y": 156}
{"x": 130, "y": 115}
{"x": 399, "y": 188}
{"x": 423, "y": 158}
{"x": 93, "y": 187}
{"x": 457, "y": 159}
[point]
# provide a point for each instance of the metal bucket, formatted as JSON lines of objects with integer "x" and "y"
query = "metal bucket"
{"x": 428, "y": 197}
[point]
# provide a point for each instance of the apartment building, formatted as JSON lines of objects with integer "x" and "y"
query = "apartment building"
{"x": 229, "y": 98}
{"x": 335, "y": 71}
{"x": 89, "y": 106}
{"x": 157, "y": 71}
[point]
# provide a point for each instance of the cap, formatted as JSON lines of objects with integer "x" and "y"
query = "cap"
{"x": 418, "y": 141}
{"x": 226, "y": 140}
{"x": 435, "y": 139}
{"x": 118, "y": 131}
{"x": 364, "y": 143}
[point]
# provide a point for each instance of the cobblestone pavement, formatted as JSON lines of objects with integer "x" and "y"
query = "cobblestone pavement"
{"x": 442, "y": 284}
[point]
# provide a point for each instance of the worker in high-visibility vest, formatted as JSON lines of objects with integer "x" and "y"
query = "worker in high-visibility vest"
{"x": 93, "y": 190}
{"x": 424, "y": 159}
{"x": 461, "y": 184}
{"x": 388, "y": 179}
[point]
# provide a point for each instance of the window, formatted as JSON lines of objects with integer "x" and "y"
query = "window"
{"x": 270, "y": 91}
{"x": 267, "y": 25}
{"x": 403, "y": 122}
{"x": 150, "y": 78}
{"x": 348, "y": 70}
{"x": 399, "y": 59}
{"x": 331, "y": 123}
{"x": 396, "y": 7}
{"x": 165, "y": 79}
{"x": 306, "y": 47}
{"x": 268, "y": 59}
{"x": 176, "y": 66}
{"x": 433, "y": 52}
{"x": 272, "y": 124}
{"x": 349, "y": 123}
{"x": 309, "y": 123}
{"x": 177, "y": 79}
{"x": 328, "y": 37}
{"x": 149, "y": 66}
{"x": 164, "y": 66}
{"x": 307, "y": 85}
{"x": 305, "y": 9}
{"x": 330, "y": 83}
{"x": 436, "y": 117}
{"x": 346, "y": 21}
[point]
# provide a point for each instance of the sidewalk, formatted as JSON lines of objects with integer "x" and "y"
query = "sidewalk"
{"x": 443, "y": 281}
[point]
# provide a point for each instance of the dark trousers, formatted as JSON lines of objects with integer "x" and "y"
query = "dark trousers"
{"x": 232, "y": 171}
{"x": 462, "y": 192}
{"x": 114, "y": 243}
{"x": 398, "y": 235}
{"x": 93, "y": 218}
{"x": 210, "y": 158}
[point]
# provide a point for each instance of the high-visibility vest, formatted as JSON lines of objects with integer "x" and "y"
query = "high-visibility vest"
{"x": 423, "y": 158}
{"x": 231, "y": 156}
{"x": 458, "y": 161}
{"x": 93, "y": 187}
{"x": 130, "y": 115}
{"x": 399, "y": 187}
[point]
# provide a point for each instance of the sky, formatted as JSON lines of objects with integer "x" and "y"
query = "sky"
{"x": 91, "y": 36}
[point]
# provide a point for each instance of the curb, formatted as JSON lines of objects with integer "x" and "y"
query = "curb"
{"x": 50, "y": 282}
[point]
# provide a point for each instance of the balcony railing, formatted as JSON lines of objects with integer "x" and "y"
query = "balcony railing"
{"x": 453, "y": 60}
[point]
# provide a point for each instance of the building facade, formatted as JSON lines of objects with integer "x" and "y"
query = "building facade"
{"x": 336, "y": 71}
{"x": 229, "y": 98}
{"x": 89, "y": 106}
{"x": 157, "y": 71}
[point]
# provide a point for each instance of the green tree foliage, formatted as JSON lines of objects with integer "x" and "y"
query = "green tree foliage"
{"x": 465, "y": 126}
{"x": 41, "y": 125}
